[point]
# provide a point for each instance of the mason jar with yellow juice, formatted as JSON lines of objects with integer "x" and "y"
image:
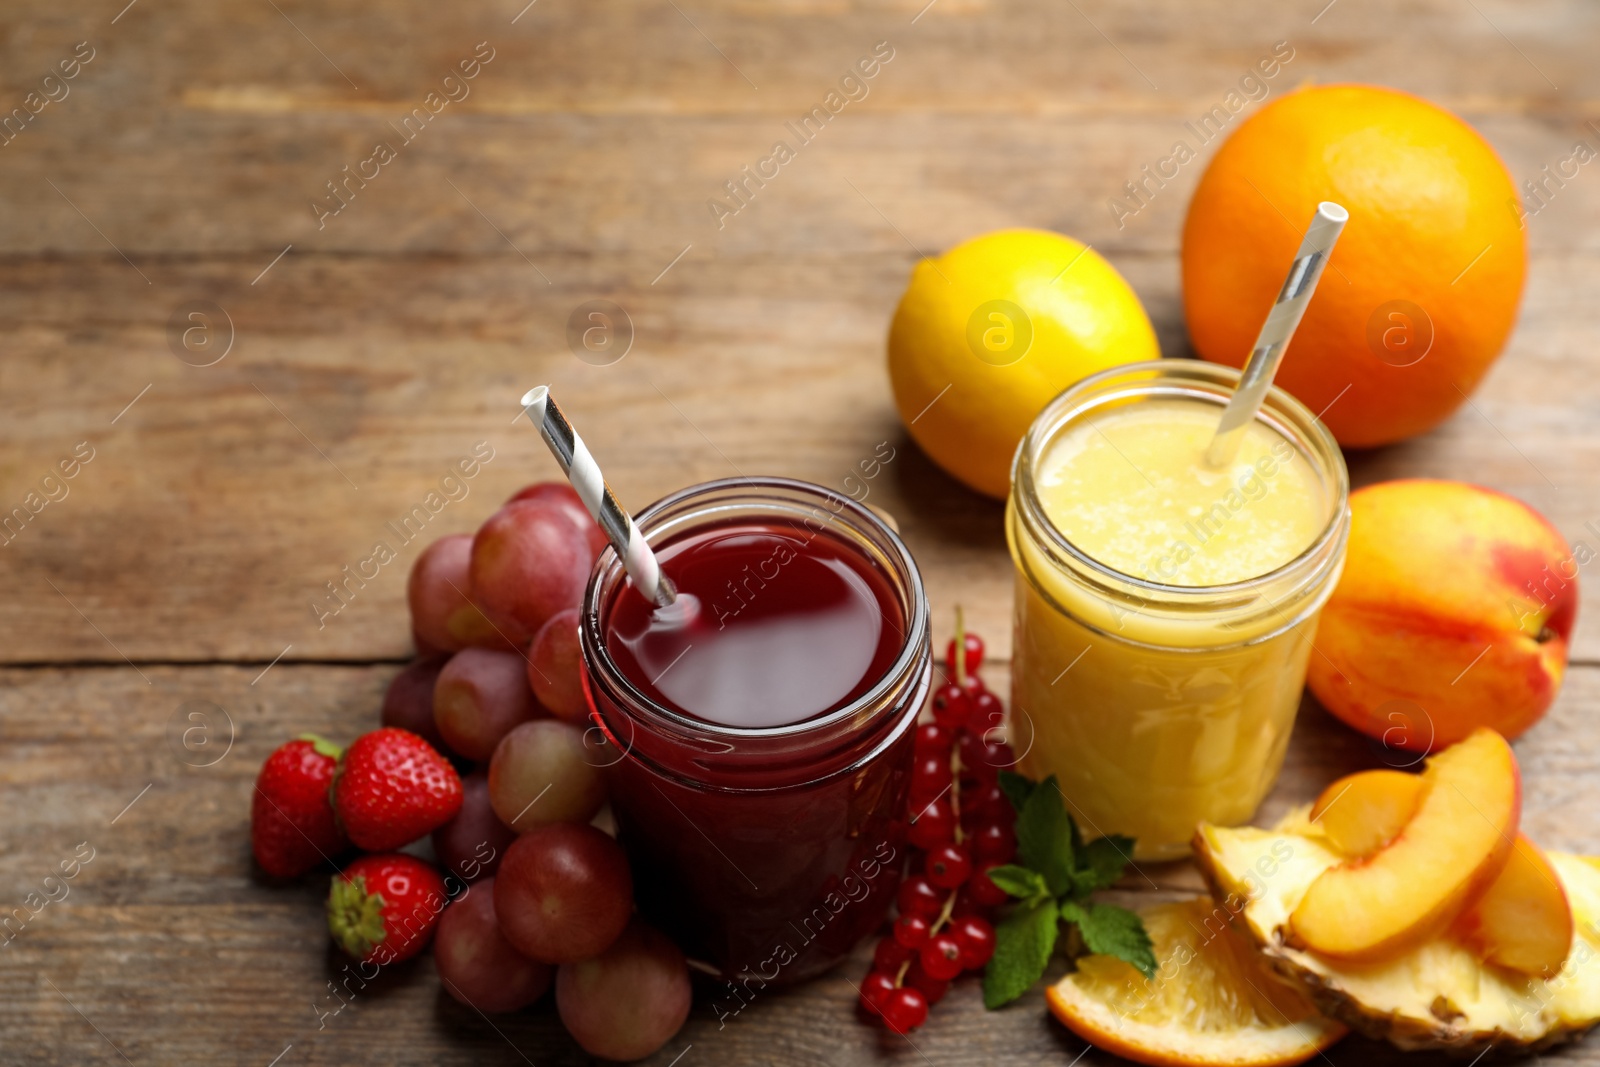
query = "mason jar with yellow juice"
{"x": 1166, "y": 608}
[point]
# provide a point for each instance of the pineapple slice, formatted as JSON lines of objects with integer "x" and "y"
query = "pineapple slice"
{"x": 1435, "y": 995}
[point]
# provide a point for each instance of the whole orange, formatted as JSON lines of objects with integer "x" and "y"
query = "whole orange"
{"x": 1422, "y": 288}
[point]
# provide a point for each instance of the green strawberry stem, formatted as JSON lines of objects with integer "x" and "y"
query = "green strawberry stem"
{"x": 355, "y": 917}
{"x": 323, "y": 746}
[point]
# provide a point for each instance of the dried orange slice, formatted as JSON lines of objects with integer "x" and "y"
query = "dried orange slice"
{"x": 1212, "y": 1003}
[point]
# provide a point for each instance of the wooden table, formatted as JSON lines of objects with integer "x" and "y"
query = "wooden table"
{"x": 353, "y": 358}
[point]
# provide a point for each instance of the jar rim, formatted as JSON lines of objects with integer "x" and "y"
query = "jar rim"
{"x": 1146, "y": 376}
{"x": 608, "y": 568}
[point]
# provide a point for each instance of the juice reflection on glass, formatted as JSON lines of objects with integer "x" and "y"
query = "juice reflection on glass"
{"x": 759, "y": 730}
{"x": 1165, "y": 610}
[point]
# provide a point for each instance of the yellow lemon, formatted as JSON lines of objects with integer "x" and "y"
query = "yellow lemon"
{"x": 989, "y": 332}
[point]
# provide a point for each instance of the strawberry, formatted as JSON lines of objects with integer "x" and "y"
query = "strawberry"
{"x": 392, "y": 787}
{"x": 382, "y": 909}
{"x": 292, "y": 827}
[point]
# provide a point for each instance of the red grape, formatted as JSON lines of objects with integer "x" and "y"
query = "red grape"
{"x": 528, "y": 562}
{"x": 628, "y": 1001}
{"x": 941, "y": 957}
{"x": 472, "y": 844}
{"x": 479, "y": 697}
{"x": 438, "y": 592}
{"x": 563, "y": 497}
{"x": 563, "y": 893}
{"x": 976, "y": 937}
{"x": 540, "y": 774}
{"x": 553, "y": 669}
{"x": 919, "y": 897}
{"x": 974, "y": 655}
{"x": 477, "y": 965}
{"x": 904, "y": 1010}
{"x": 408, "y": 703}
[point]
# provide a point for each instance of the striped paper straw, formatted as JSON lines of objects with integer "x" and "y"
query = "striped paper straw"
{"x": 584, "y": 474}
{"x": 1271, "y": 343}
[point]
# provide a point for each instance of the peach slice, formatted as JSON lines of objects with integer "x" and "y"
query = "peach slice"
{"x": 1522, "y": 921}
{"x": 1450, "y": 850}
{"x": 1361, "y": 813}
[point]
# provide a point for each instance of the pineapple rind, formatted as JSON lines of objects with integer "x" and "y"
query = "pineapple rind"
{"x": 1436, "y": 996}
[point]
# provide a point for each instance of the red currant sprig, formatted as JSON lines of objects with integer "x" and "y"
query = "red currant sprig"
{"x": 963, "y": 827}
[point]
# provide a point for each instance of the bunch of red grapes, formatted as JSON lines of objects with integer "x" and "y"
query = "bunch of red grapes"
{"x": 503, "y": 691}
{"x": 961, "y": 828}
{"x": 541, "y": 897}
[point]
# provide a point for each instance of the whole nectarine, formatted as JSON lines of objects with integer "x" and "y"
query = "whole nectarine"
{"x": 1453, "y": 612}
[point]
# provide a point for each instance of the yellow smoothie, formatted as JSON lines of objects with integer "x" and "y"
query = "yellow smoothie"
{"x": 1132, "y": 488}
{"x": 1165, "y": 608}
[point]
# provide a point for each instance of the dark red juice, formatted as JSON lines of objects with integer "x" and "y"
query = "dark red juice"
{"x": 777, "y": 624}
{"x": 761, "y": 732}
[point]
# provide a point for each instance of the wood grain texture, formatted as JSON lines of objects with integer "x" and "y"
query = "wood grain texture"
{"x": 176, "y": 951}
{"x": 381, "y": 346}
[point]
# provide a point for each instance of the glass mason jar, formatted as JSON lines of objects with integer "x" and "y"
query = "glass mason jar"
{"x": 766, "y": 853}
{"x": 1154, "y": 705}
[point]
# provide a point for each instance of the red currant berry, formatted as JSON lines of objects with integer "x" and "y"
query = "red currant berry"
{"x": 919, "y": 897}
{"x": 983, "y": 890}
{"x": 933, "y": 740}
{"x": 931, "y": 988}
{"x": 951, "y": 707}
{"x": 930, "y": 776}
{"x": 985, "y": 760}
{"x": 889, "y": 956}
{"x": 941, "y": 957}
{"x": 911, "y": 930}
{"x": 987, "y": 714}
{"x": 994, "y": 841}
{"x": 972, "y": 687}
{"x": 965, "y": 905}
{"x": 947, "y": 866}
{"x": 988, "y": 802}
{"x": 904, "y": 1010}
{"x": 973, "y": 647}
{"x": 976, "y": 938}
{"x": 876, "y": 987}
{"x": 933, "y": 825}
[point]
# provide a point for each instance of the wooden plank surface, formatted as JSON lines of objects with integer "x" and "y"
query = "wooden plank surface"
{"x": 368, "y": 354}
{"x": 175, "y": 951}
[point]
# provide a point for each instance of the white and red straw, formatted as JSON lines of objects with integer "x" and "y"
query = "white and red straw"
{"x": 584, "y": 474}
{"x": 1278, "y": 330}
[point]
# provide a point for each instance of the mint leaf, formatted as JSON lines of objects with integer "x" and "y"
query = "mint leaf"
{"x": 1016, "y": 788}
{"x": 1108, "y": 930}
{"x": 1019, "y": 881}
{"x": 1101, "y": 862}
{"x": 1023, "y": 943}
{"x": 1044, "y": 837}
